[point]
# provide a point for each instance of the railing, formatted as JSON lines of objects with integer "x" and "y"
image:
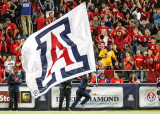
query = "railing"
{"x": 134, "y": 71}
{"x": 142, "y": 77}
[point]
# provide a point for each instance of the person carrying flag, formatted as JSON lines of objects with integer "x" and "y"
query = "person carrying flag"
{"x": 81, "y": 92}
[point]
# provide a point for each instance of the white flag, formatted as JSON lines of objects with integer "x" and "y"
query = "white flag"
{"x": 60, "y": 51}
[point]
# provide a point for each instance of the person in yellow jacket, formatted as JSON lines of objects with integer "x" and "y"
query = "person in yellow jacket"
{"x": 107, "y": 54}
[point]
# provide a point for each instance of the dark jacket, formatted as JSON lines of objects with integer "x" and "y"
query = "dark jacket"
{"x": 66, "y": 85}
{"x": 142, "y": 28}
{"x": 83, "y": 83}
{"x": 12, "y": 84}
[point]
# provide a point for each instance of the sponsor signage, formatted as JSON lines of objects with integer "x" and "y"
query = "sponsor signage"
{"x": 101, "y": 97}
{"x": 25, "y": 98}
{"x": 130, "y": 97}
{"x": 42, "y": 98}
{"x": 148, "y": 97}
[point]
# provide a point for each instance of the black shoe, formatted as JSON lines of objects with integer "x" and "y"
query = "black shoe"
{"x": 69, "y": 109}
{"x": 82, "y": 105}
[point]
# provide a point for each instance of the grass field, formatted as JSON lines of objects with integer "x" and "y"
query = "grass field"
{"x": 83, "y": 112}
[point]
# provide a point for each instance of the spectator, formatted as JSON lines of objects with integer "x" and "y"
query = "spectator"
{"x": 96, "y": 12}
{"x": 1, "y": 75}
{"x": 127, "y": 19}
{"x": 111, "y": 39}
{"x": 15, "y": 46}
{"x": 144, "y": 12}
{"x": 51, "y": 18}
{"x": 127, "y": 49}
{"x": 96, "y": 22}
{"x": 49, "y": 7}
{"x": 40, "y": 22}
{"x": 145, "y": 54}
{"x": 1, "y": 28}
{"x": 146, "y": 39}
{"x": 13, "y": 82}
{"x": 95, "y": 52}
{"x": 8, "y": 10}
{"x": 100, "y": 28}
{"x": 57, "y": 4}
{"x": 105, "y": 35}
{"x": 155, "y": 29}
{"x": 26, "y": 12}
{"x": 8, "y": 41}
{"x": 116, "y": 79}
{"x": 118, "y": 15}
{"x": 143, "y": 26}
{"x": 94, "y": 78}
{"x": 102, "y": 46}
{"x": 90, "y": 14}
{"x": 20, "y": 68}
{"x": 131, "y": 27}
{"x": 117, "y": 54}
{"x": 157, "y": 60}
{"x": 103, "y": 79}
{"x": 117, "y": 67}
{"x": 108, "y": 21}
{"x": 4, "y": 12}
{"x": 157, "y": 36}
{"x": 11, "y": 27}
{"x": 100, "y": 65}
{"x": 106, "y": 56}
{"x": 136, "y": 39}
{"x": 125, "y": 9}
{"x": 157, "y": 4}
{"x": 60, "y": 14}
{"x": 3, "y": 45}
{"x": 129, "y": 4}
{"x": 119, "y": 34}
{"x": 69, "y": 5}
{"x": 9, "y": 65}
{"x": 150, "y": 64}
{"x": 128, "y": 65}
{"x": 136, "y": 14}
{"x": 128, "y": 40}
{"x": 133, "y": 79}
{"x": 139, "y": 61}
{"x": 100, "y": 41}
{"x": 157, "y": 49}
{"x": 152, "y": 46}
{"x": 2, "y": 61}
{"x": 92, "y": 29}
{"x": 156, "y": 17}
{"x": 36, "y": 10}
{"x": 103, "y": 7}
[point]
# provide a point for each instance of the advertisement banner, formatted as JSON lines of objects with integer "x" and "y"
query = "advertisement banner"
{"x": 148, "y": 97}
{"x": 25, "y": 98}
{"x": 101, "y": 97}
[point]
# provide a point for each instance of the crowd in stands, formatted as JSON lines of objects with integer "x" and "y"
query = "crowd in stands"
{"x": 125, "y": 33}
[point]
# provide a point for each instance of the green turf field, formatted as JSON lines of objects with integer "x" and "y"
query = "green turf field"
{"x": 83, "y": 112}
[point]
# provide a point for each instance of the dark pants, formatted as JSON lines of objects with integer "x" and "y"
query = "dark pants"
{"x": 79, "y": 94}
{"x": 14, "y": 97}
{"x": 64, "y": 93}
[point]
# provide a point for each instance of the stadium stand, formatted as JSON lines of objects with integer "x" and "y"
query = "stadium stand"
{"x": 125, "y": 34}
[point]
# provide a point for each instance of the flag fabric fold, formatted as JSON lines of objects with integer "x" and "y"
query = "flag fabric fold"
{"x": 58, "y": 52}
